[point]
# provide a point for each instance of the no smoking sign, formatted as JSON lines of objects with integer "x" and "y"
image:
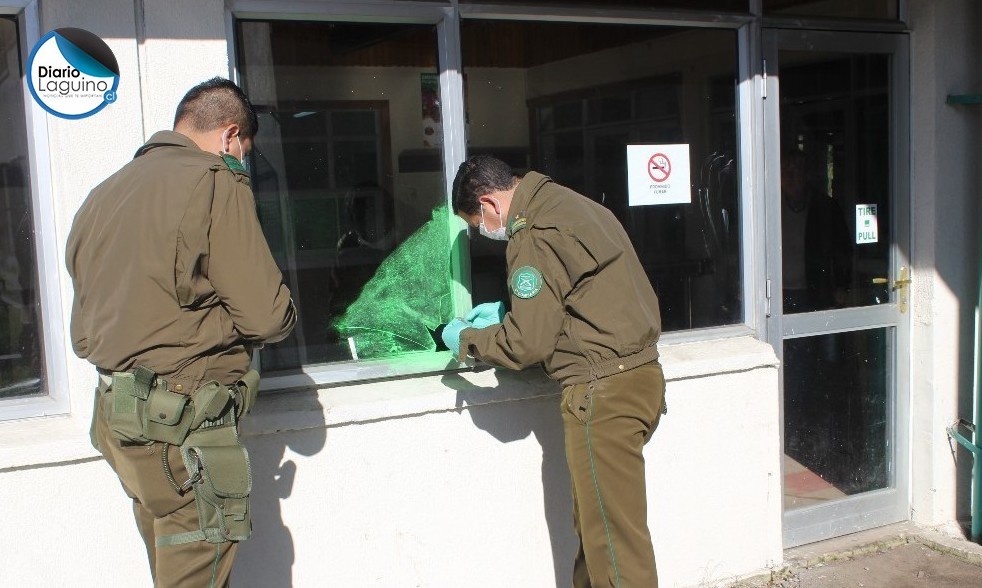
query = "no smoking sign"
{"x": 659, "y": 167}
{"x": 658, "y": 174}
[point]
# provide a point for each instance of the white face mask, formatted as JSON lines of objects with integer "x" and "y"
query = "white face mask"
{"x": 499, "y": 234}
{"x": 243, "y": 160}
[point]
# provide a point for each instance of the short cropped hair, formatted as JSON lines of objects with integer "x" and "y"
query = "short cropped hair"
{"x": 479, "y": 176}
{"x": 216, "y": 103}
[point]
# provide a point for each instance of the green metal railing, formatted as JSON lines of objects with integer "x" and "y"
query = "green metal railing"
{"x": 976, "y": 468}
{"x": 954, "y": 430}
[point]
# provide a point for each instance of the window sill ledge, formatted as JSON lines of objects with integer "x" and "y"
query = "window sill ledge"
{"x": 373, "y": 401}
{"x": 33, "y": 443}
{"x": 41, "y": 442}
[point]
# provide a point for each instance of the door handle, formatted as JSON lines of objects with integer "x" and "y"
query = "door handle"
{"x": 897, "y": 284}
{"x": 902, "y": 283}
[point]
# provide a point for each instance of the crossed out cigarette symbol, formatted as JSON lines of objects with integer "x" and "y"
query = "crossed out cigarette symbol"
{"x": 659, "y": 167}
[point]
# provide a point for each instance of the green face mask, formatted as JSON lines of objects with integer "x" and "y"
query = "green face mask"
{"x": 234, "y": 164}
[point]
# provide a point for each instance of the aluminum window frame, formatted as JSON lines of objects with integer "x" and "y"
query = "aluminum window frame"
{"x": 54, "y": 331}
{"x": 749, "y": 135}
{"x": 447, "y": 17}
{"x": 441, "y": 17}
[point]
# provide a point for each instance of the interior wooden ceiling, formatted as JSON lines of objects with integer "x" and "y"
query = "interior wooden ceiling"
{"x": 485, "y": 43}
{"x": 505, "y": 44}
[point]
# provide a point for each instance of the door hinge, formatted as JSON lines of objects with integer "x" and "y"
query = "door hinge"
{"x": 763, "y": 78}
{"x": 767, "y": 298}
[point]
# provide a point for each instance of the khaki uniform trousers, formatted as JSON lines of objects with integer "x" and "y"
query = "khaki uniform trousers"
{"x": 160, "y": 511}
{"x": 607, "y": 423}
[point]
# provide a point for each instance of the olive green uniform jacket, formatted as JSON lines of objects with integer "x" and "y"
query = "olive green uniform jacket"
{"x": 171, "y": 269}
{"x": 581, "y": 303}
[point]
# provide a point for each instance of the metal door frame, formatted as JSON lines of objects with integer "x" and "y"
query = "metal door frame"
{"x": 892, "y": 504}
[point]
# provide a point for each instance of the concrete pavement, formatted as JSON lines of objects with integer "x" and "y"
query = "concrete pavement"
{"x": 897, "y": 556}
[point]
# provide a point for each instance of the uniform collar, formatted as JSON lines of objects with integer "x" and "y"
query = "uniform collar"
{"x": 175, "y": 139}
{"x": 166, "y": 139}
{"x": 521, "y": 206}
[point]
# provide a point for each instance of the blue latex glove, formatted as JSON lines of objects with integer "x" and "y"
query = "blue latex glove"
{"x": 451, "y": 334}
{"x": 487, "y": 314}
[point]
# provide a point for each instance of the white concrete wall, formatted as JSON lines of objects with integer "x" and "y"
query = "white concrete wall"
{"x": 946, "y": 189}
{"x": 84, "y": 152}
{"x": 181, "y": 43}
{"x": 440, "y": 481}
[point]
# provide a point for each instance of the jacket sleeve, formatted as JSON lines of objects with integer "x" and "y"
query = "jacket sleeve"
{"x": 241, "y": 267}
{"x": 78, "y": 332}
{"x": 530, "y": 330}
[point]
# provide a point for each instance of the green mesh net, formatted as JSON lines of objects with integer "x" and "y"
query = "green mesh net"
{"x": 407, "y": 298}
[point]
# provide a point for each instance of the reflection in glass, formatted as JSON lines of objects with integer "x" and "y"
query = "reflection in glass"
{"x": 877, "y": 9}
{"x": 21, "y": 361}
{"x": 835, "y": 180}
{"x": 566, "y": 99}
{"x": 836, "y": 415}
{"x": 347, "y": 175}
{"x": 707, "y": 5}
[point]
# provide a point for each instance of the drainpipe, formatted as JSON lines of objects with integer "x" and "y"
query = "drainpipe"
{"x": 974, "y": 428}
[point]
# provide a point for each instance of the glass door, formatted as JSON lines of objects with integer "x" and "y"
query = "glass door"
{"x": 838, "y": 275}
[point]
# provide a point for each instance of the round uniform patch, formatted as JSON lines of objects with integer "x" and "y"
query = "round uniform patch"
{"x": 526, "y": 281}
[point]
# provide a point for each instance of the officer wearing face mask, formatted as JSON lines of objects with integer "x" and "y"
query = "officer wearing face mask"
{"x": 583, "y": 308}
{"x": 175, "y": 287}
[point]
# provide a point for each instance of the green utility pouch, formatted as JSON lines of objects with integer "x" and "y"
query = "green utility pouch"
{"x": 142, "y": 410}
{"x": 93, "y": 438}
{"x": 248, "y": 387}
{"x": 166, "y": 419}
{"x": 128, "y": 396}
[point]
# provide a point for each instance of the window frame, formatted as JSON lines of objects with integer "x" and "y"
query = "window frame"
{"x": 749, "y": 126}
{"x": 48, "y": 255}
{"x": 446, "y": 18}
{"x": 441, "y": 17}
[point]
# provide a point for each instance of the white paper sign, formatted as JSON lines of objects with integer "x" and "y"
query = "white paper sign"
{"x": 658, "y": 174}
{"x": 866, "y": 231}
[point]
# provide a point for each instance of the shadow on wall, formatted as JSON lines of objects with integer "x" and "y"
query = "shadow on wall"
{"x": 270, "y": 550}
{"x": 962, "y": 275}
{"x": 507, "y": 423}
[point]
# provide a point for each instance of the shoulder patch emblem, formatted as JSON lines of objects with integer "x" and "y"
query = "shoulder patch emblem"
{"x": 234, "y": 164}
{"x": 526, "y": 282}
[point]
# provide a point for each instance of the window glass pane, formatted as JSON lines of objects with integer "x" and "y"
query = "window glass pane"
{"x": 835, "y": 212}
{"x": 886, "y": 9}
{"x": 725, "y": 5}
{"x": 349, "y": 184}
{"x": 21, "y": 362}
{"x": 836, "y": 415}
{"x": 567, "y": 99}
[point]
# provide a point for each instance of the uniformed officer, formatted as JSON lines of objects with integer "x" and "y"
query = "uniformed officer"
{"x": 173, "y": 276}
{"x": 582, "y": 306}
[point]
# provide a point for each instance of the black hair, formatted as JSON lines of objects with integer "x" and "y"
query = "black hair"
{"x": 478, "y": 176}
{"x": 215, "y": 103}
